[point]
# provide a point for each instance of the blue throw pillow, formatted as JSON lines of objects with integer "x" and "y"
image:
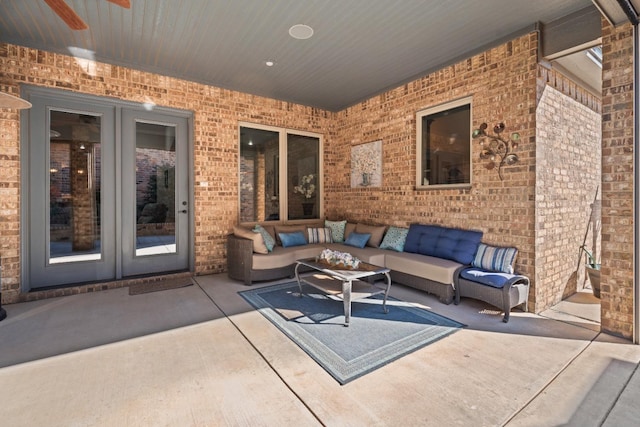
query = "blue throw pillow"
{"x": 358, "y": 240}
{"x": 493, "y": 258}
{"x": 269, "y": 242}
{"x": 292, "y": 239}
{"x": 394, "y": 239}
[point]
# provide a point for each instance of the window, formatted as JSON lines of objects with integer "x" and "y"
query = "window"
{"x": 280, "y": 174}
{"x": 443, "y": 136}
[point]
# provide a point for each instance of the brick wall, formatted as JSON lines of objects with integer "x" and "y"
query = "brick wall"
{"x": 216, "y": 116}
{"x": 502, "y": 82}
{"x": 617, "y": 180}
{"x": 568, "y": 153}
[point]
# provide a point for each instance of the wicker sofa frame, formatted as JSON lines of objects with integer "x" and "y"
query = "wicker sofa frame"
{"x": 514, "y": 293}
{"x": 240, "y": 263}
{"x": 444, "y": 293}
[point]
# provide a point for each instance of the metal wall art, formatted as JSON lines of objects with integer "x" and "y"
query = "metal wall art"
{"x": 497, "y": 149}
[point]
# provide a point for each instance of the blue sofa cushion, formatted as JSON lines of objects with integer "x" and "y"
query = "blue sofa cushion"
{"x": 292, "y": 239}
{"x": 490, "y": 278}
{"x": 418, "y": 232}
{"x": 448, "y": 243}
{"x": 358, "y": 240}
{"x": 458, "y": 245}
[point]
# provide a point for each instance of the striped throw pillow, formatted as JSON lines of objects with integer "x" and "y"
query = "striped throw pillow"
{"x": 319, "y": 235}
{"x": 495, "y": 258}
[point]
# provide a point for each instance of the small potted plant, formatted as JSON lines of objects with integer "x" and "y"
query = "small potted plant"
{"x": 593, "y": 271}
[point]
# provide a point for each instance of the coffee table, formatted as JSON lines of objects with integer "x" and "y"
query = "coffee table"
{"x": 345, "y": 284}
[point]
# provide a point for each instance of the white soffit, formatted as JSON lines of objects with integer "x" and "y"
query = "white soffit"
{"x": 613, "y": 12}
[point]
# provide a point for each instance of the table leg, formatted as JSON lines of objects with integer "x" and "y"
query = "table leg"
{"x": 386, "y": 293}
{"x": 346, "y": 301}
{"x": 298, "y": 280}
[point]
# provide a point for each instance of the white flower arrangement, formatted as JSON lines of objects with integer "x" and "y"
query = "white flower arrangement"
{"x": 307, "y": 188}
{"x": 339, "y": 258}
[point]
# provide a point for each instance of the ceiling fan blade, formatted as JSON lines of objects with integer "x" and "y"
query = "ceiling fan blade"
{"x": 67, "y": 14}
{"x": 124, "y": 3}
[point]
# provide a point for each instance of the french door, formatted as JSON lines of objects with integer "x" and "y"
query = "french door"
{"x": 108, "y": 190}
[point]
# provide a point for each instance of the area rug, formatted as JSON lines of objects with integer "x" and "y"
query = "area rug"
{"x": 160, "y": 285}
{"x": 315, "y": 322}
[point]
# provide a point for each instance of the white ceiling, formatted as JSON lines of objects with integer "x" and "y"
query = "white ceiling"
{"x": 359, "y": 48}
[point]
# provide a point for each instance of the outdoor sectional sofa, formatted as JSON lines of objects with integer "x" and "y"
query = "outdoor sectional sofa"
{"x": 427, "y": 257}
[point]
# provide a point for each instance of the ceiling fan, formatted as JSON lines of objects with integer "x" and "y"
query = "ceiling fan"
{"x": 72, "y": 19}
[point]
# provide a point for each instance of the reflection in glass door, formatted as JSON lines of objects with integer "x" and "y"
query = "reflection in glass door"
{"x": 70, "y": 193}
{"x": 155, "y": 193}
{"x": 155, "y": 189}
{"x": 74, "y": 187}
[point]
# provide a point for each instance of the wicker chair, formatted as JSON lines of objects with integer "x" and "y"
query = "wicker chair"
{"x": 505, "y": 292}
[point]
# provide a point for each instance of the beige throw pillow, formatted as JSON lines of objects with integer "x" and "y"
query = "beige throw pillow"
{"x": 258, "y": 242}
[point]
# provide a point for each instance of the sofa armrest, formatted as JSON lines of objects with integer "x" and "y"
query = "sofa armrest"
{"x": 507, "y": 301}
{"x": 239, "y": 258}
{"x": 514, "y": 291}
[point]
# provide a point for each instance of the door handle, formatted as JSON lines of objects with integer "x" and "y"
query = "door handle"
{"x": 183, "y": 211}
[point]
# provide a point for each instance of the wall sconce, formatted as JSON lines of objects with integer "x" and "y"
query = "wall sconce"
{"x": 10, "y": 101}
{"x": 497, "y": 149}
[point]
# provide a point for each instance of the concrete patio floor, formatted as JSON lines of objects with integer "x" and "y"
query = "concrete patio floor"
{"x": 201, "y": 356}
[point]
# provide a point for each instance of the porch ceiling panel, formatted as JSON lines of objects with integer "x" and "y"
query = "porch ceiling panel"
{"x": 359, "y": 47}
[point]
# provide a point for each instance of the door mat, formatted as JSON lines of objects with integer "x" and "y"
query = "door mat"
{"x": 162, "y": 285}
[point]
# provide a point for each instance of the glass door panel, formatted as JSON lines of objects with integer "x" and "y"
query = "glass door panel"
{"x": 155, "y": 189}
{"x": 155, "y": 208}
{"x": 74, "y": 187}
{"x": 70, "y": 166}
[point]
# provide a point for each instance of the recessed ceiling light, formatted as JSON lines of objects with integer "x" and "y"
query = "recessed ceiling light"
{"x": 301, "y": 31}
{"x": 270, "y": 63}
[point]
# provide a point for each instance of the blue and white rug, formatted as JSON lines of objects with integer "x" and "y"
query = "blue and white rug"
{"x": 315, "y": 322}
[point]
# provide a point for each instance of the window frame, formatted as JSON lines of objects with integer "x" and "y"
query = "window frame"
{"x": 419, "y": 183}
{"x": 282, "y": 181}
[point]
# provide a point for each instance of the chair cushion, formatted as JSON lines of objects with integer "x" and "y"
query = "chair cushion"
{"x": 319, "y": 235}
{"x": 424, "y": 266}
{"x": 337, "y": 230}
{"x": 418, "y": 232}
{"x": 394, "y": 239}
{"x": 443, "y": 242}
{"x": 292, "y": 239}
{"x": 349, "y": 228}
{"x": 376, "y": 232}
{"x": 358, "y": 240}
{"x": 494, "y": 279}
{"x": 495, "y": 258}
